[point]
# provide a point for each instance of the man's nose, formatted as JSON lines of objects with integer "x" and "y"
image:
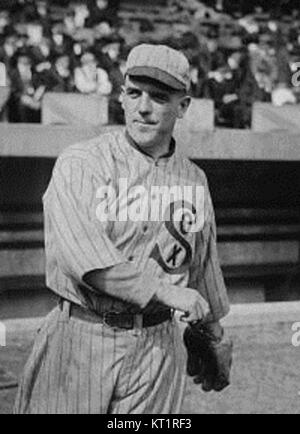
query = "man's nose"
{"x": 145, "y": 106}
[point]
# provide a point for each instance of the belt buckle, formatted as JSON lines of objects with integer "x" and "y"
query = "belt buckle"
{"x": 106, "y": 317}
{"x": 108, "y": 321}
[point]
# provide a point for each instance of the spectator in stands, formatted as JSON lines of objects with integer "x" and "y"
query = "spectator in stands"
{"x": 4, "y": 94}
{"x": 77, "y": 26}
{"x": 103, "y": 11}
{"x": 201, "y": 65}
{"x": 34, "y": 33}
{"x": 256, "y": 87}
{"x": 60, "y": 77}
{"x": 112, "y": 62}
{"x": 60, "y": 42}
{"x": 41, "y": 51}
{"x": 42, "y": 9}
{"x": 24, "y": 104}
{"x": 282, "y": 58}
{"x": 221, "y": 87}
{"x": 26, "y": 12}
{"x": 196, "y": 82}
{"x": 283, "y": 95}
{"x": 22, "y": 41}
{"x": 89, "y": 78}
{"x": 103, "y": 30}
{"x": 43, "y": 16}
{"x": 3, "y": 74}
{"x": 69, "y": 23}
{"x": 81, "y": 14}
{"x": 7, "y": 49}
{"x": 4, "y": 22}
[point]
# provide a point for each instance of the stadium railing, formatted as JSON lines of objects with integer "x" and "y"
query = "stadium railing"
{"x": 266, "y": 117}
{"x": 75, "y": 109}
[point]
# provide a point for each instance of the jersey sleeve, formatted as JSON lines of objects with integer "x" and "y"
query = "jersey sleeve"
{"x": 206, "y": 274}
{"x": 81, "y": 242}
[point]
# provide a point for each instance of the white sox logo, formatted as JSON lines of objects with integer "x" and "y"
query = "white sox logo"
{"x": 188, "y": 217}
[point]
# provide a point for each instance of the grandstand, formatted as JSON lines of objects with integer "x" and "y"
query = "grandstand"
{"x": 253, "y": 164}
{"x": 257, "y": 217}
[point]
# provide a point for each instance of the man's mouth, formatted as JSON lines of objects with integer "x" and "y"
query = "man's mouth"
{"x": 145, "y": 123}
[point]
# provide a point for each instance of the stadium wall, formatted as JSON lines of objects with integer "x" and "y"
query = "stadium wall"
{"x": 254, "y": 180}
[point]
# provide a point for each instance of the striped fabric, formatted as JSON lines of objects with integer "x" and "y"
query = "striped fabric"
{"x": 82, "y": 368}
{"x": 79, "y": 367}
{"x": 76, "y": 242}
{"x": 162, "y": 63}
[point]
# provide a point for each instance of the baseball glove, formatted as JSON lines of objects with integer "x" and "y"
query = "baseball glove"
{"x": 209, "y": 358}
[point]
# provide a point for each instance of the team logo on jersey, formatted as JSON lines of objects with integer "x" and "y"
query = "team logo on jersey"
{"x": 182, "y": 216}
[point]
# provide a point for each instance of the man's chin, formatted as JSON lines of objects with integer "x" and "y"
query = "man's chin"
{"x": 143, "y": 140}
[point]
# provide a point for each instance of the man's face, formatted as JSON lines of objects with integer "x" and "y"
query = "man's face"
{"x": 151, "y": 111}
{"x": 24, "y": 62}
{"x": 63, "y": 62}
{"x": 42, "y": 8}
{"x": 102, "y": 4}
{"x": 4, "y": 19}
{"x": 89, "y": 63}
{"x": 10, "y": 46}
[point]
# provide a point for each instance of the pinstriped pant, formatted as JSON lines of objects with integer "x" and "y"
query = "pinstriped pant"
{"x": 84, "y": 368}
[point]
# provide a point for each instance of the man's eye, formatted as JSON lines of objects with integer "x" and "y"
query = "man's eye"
{"x": 133, "y": 93}
{"x": 160, "y": 97}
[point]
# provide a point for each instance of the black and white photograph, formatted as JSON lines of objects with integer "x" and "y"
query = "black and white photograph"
{"x": 149, "y": 209}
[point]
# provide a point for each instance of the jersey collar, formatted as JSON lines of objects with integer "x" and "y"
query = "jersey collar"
{"x": 168, "y": 155}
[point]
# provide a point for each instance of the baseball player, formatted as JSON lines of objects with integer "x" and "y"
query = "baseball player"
{"x": 113, "y": 344}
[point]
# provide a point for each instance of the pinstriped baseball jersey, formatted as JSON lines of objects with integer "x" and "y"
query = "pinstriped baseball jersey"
{"x": 135, "y": 256}
{"x": 81, "y": 367}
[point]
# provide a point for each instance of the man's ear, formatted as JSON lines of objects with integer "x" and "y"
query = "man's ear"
{"x": 183, "y": 106}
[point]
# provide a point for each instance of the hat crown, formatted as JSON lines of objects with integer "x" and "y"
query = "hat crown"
{"x": 162, "y": 58}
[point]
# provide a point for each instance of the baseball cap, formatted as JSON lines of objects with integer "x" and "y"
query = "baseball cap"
{"x": 160, "y": 63}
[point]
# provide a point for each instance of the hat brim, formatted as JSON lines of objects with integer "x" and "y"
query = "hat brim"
{"x": 158, "y": 75}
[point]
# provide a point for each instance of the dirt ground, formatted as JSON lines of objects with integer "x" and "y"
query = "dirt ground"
{"x": 265, "y": 377}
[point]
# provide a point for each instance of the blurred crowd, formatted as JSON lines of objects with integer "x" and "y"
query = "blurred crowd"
{"x": 75, "y": 48}
{"x": 242, "y": 55}
{"x": 238, "y": 56}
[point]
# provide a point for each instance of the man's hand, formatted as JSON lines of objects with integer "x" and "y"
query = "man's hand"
{"x": 193, "y": 305}
{"x": 209, "y": 357}
{"x": 188, "y": 301}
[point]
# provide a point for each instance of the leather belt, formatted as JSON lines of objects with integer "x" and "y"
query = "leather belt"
{"x": 125, "y": 321}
